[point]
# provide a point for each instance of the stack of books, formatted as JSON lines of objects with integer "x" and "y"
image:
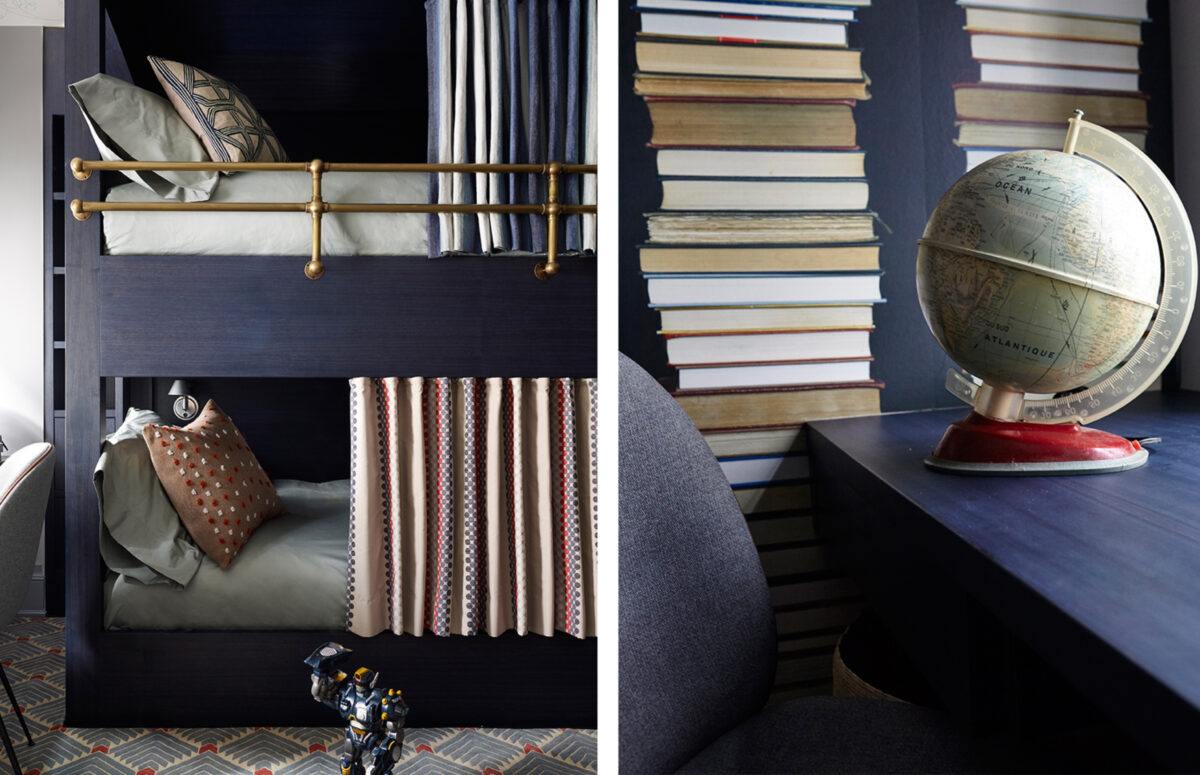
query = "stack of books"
{"x": 1039, "y": 60}
{"x": 763, "y": 264}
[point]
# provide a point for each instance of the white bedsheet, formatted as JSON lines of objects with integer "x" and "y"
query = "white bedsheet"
{"x": 277, "y": 234}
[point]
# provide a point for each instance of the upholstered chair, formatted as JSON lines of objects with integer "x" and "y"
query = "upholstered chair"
{"x": 25, "y": 479}
{"x": 697, "y": 633}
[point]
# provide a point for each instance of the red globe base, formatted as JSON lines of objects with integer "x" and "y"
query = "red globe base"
{"x": 981, "y": 445}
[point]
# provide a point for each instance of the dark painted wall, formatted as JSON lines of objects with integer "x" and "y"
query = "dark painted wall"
{"x": 335, "y": 80}
{"x": 298, "y": 428}
{"x": 913, "y": 51}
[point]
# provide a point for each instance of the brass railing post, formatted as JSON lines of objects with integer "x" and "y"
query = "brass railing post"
{"x": 315, "y": 268}
{"x": 548, "y": 268}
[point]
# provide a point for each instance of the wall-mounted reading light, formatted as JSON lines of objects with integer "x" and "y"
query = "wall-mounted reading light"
{"x": 186, "y": 406}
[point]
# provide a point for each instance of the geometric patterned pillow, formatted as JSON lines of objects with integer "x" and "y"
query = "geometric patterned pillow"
{"x": 214, "y": 481}
{"x": 216, "y": 110}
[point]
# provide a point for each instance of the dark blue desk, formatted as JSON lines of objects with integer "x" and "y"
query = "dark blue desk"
{"x": 1099, "y": 576}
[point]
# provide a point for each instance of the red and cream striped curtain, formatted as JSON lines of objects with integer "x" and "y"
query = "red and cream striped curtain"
{"x": 472, "y": 506}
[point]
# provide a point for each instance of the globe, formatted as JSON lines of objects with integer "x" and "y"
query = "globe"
{"x": 1039, "y": 271}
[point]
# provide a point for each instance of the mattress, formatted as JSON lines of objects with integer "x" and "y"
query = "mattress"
{"x": 277, "y": 234}
{"x": 291, "y": 576}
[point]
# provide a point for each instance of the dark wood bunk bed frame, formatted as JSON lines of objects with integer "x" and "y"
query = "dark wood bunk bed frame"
{"x": 454, "y": 316}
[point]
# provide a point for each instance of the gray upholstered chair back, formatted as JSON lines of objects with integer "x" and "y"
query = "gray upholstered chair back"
{"x": 697, "y": 634}
{"x": 25, "y": 480}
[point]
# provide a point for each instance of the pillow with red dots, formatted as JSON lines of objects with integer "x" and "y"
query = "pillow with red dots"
{"x": 214, "y": 481}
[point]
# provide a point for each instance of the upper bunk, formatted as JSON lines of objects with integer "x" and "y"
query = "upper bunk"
{"x": 343, "y": 83}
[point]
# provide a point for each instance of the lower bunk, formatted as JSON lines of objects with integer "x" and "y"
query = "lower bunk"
{"x": 291, "y": 576}
{"x": 181, "y": 640}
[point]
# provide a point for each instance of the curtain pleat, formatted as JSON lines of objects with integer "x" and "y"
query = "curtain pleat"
{"x": 587, "y": 434}
{"x": 533, "y": 56}
{"x": 480, "y": 109}
{"x": 571, "y": 153}
{"x": 439, "y": 150}
{"x": 555, "y": 109}
{"x": 473, "y": 506}
{"x": 495, "y": 118}
{"x": 511, "y": 81}
{"x": 458, "y": 179}
{"x": 515, "y": 85}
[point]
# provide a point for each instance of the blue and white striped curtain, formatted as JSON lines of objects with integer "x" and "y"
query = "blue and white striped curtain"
{"x": 510, "y": 82}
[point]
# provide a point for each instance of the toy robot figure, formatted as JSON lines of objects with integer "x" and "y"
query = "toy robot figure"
{"x": 375, "y": 728}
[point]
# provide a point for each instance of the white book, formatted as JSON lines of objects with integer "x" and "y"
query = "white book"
{"x": 1069, "y": 77}
{"x": 1102, "y": 9}
{"x": 763, "y": 194}
{"x": 1050, "y": 51}
{"x": 767, "y": 375}
{"x": 687, "y": 290}
{"x": 762, "y": 469}
{"x": 788, "y": 346}
{"x": 713, "y": 162}
{"x": 813, "y": 33}
{"x": 751, "y": 9}
{"x": 696, "y": 319}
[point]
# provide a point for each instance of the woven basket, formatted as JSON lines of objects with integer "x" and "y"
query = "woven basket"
{"x": 847, "y": 683}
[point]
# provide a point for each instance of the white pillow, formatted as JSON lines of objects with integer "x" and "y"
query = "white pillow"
{"x": 129, "y": 123}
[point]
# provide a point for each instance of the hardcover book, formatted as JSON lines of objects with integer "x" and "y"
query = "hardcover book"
{"x": 764, "y": 194}
{"x": 736, "y": 407}
{"x": 752, "y": 8}
{"x": 1052, "y": 51}
{"x": 998, "y": 102}
{"x": 745, "y": 123}
{"x": 772, "y": 163}
{"x": 669, "y": 85}
{"x": 831, "y": 257}
{"x": 1044, "y": 25}
{"x": 767, "y": 374}
{"x": 666, "y": 55}
{"x": 810, "y": 317}
{"x": 1130, "y": 10}
{"x": 761, "y": 227}
{"x": 760, "y": 469}
{"x": 760, "y": 347}
{"x": 745, "y": 28}
{"x": 677, "y": 290}
{"x": 732, "y": 442}
{"x": 1066, "y": 77}
{"x": 1003, "y": 134}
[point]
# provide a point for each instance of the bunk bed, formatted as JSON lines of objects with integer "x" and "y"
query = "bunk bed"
{"x": 282, "y": 348}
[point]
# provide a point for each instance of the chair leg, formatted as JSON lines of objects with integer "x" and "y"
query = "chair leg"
{"x": 16, "y": 708}
{"x": 8, "y": 748}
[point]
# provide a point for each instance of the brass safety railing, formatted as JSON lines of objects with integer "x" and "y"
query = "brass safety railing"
{"x": 316, "y": 206}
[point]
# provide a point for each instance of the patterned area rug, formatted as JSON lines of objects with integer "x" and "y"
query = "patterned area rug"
{"x": 31, "y": 651}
